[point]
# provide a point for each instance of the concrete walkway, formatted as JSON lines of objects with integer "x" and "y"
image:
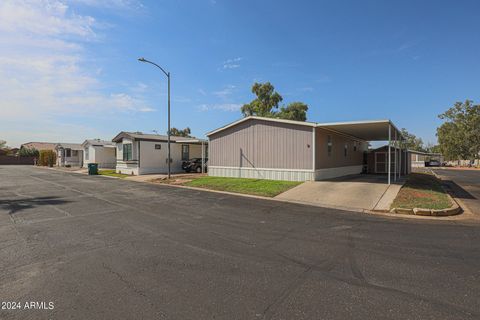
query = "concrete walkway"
{"x": 359, "y": 192}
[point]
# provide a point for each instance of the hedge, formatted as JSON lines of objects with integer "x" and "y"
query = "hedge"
{"x": 47, "y": 158}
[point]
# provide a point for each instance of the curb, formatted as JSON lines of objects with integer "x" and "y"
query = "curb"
{"x": 453, "y": 210}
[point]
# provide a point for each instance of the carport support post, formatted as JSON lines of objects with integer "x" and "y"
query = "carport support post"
{"x": 400, "y": 159}
{"x": 389, "y": 154}
{"x": 203, "y": 156}
{"x": 395, "y": 173}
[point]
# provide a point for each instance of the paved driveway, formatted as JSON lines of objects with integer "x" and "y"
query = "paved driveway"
{"x": 469, "y": 182}
{"x": 101, "y": 248}
{"x": 358, "y": 192}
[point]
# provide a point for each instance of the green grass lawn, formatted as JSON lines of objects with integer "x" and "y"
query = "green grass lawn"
{"x": 259, "y": 187}
{"x": 111, "y": 173}
{"x": 422, "y": 190}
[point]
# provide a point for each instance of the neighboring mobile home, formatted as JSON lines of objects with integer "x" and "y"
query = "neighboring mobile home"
{"x": 421, "y": 159}
{"x": 269, "y": 148}
{"x": 39, "y": 146}
{"x": 101, "y": 152}
{"x": 139, "y": 153}
{"x": 69, "y": 154}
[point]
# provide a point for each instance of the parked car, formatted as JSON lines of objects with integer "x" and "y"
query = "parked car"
{"x": 194, "y": 165}
{"x": 434, "y": 163}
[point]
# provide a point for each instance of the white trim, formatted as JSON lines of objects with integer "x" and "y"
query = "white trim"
{"x": 258, "y": 173}
{"x": 271, "y": 169}
{"x": 329, "y": 173}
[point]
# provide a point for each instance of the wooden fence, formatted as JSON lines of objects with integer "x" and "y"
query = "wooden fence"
{"x": 13, "y": 160}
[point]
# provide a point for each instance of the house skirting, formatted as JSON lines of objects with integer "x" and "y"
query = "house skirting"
{"x": 131, "y": 169}
{"x": 262, "y": 173}
{"x": 329, "y": 173}
{"x": 135, "y": 170}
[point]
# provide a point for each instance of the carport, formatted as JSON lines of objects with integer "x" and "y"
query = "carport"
{"x": 203, "y": 143}
{"x": 377, "y": 130}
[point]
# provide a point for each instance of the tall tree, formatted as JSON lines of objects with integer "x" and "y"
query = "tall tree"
{"x": 267, "y": 102}
{"x": 433, "y": 148}
{"x": 3, "y": 143}
{"x": 180, "y": 133}
{"x": 294, "y": 111}
{"x": 459, "y": 135}
{"x": 412, "y": 142}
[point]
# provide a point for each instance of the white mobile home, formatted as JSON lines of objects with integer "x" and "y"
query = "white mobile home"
{"x": 139, "y": 153}
{"x": 99, "y": 151}
{"x": 69, "y": 154}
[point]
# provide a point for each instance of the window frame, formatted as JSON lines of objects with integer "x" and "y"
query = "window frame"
{"x": 127, "y": 152}
{"x": 68, "y": 152}
{"x": 185, "y": 153}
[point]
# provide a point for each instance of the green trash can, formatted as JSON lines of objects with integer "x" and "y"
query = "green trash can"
{"x": 92, "y": 169}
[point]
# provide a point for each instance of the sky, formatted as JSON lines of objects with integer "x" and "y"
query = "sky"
{"x": 69, "y": 69}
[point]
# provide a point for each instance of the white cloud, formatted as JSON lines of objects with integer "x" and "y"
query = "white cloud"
{"x": 43, "y": 68}
{"x": 225, "y": 92}
{"x": 232, "y": 63}
{"x": 112, "y": 4}
{"x": 231, "y": 107}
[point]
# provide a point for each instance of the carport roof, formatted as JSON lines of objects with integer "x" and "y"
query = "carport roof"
{"x": 371, "y": 130}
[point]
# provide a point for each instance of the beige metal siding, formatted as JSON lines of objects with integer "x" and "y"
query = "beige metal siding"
{"x": 262, "y": 144}
{"x": 337, "y": 157}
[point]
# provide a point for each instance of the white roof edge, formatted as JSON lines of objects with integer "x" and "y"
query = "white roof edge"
{"x": 421, "y": 152}
{"x": 191, "y": 140}
{"x": 360, "y": 122}
{"x": 301, "y": 123}
{"x": 304, "y": 123}
{"x": 352, "y": 122}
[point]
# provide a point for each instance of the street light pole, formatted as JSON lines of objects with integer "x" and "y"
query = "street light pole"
{"x": 168, "y": 131}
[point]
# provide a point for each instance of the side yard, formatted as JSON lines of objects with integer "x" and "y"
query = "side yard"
{"x": 111, "y": 173}
{"x": 259, "y": 187}
{"x": 422, "y": 190}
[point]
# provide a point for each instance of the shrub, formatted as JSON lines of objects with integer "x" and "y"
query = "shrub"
{"x": 47, "y": 158}
{"x": 28, "y": 152}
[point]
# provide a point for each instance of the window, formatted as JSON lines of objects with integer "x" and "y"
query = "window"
{"x": 329, "y": 145}
{"x": 74, "y": 153}
{"x": 345, "y": 151}
{"x": 127, "y": 152}
{"x": 86, "y": 154}
{"x": 354, "y": 145}
{"x": 185, "y": 152}
{"x": 68, "y": 153}
{"x": 158, "y": 146}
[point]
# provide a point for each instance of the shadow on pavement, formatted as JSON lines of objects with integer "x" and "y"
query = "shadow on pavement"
{"x": 14, "y": 206}
{"x": 458, "y": 191}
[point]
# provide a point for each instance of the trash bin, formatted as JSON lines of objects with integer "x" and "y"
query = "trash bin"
{"x": 92, "y": 168}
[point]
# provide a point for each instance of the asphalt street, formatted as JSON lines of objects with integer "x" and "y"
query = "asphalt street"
{"x": 103, "y": 248}
{"x": 467, "y": 187}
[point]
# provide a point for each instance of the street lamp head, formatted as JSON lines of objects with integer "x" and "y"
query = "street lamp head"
{"x": 142, "y": 59}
